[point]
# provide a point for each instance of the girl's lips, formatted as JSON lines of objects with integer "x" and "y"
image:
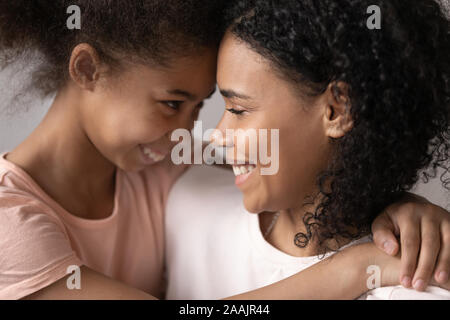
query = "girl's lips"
{"x": 150, "y": 156}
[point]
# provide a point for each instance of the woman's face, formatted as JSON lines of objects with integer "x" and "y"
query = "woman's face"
{"x": 130, "y": 119}
{"x": 250, "y": 86}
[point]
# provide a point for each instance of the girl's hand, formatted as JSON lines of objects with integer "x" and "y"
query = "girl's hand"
{"x": 390, "y": 266}
{"x": 424, "y": 231}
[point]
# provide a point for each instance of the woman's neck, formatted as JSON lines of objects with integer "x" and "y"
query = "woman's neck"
{"x": 289, "y": 224}
{"x": 64, "y": 162}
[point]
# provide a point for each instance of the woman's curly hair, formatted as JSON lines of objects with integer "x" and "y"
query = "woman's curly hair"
{"x": 148, "y": 31}
{"x": 398, "y": 79}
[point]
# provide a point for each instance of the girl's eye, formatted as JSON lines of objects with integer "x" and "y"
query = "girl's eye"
{"x": 175, "y": 105}
{"x": 201, "y": 105}
{"x": 234, "y": 111}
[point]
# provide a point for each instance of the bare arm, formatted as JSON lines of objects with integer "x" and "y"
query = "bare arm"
{"x": 336, "y": 278}
{"x": 94, "y": 286}
{"x": 343, "y": 276}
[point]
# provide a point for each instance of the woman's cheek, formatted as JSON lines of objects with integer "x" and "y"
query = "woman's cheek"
{"x": 287, "y": 179}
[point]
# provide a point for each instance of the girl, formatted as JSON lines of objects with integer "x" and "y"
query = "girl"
{"x": 88, "y": 187}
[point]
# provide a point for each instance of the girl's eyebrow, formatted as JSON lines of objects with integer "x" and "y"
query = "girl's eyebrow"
{"x": 188, "y": 95}
{"x": 212, "y": 93}
{"x": 233, "y": 94}
{"x": 183, "y": 93}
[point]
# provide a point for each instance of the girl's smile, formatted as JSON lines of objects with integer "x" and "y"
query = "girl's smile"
{"x": 151, "y": 156}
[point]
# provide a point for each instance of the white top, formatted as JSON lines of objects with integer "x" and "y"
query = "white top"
{"x": 215, "y": 248}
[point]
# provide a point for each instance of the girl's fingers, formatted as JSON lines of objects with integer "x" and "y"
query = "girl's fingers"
{"x": 383, "y": 234}
{"x": 429, "y": 251}
{"x": 443, "y": 265}
{"x": 410, "y": 243}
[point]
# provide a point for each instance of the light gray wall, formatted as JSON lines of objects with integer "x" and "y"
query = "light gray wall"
{"x": 17, "y": 124}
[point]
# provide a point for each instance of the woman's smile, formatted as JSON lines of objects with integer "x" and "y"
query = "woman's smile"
{"x": 243, "y": 173}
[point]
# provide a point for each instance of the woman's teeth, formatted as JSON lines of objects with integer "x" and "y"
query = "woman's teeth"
{"x": 153, "y": 155}
{"x": 240, "y": 170}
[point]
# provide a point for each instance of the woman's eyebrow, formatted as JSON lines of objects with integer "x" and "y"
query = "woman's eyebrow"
{"x": 233, "y": 94}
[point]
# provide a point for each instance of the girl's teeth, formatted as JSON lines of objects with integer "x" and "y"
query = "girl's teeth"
{"x": 152, "y": 155}
{"x": 240, "y": 170}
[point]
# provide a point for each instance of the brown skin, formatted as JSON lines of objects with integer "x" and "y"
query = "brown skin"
{"x": 328, "y": 279}
{"x": 90, "y": 131}
{"x": 306, "y": 125}
{"x": 80, "y": 142}
{"x": 251, "y": 84}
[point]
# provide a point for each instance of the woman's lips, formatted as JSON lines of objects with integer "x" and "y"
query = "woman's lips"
{"x": 242, "y": 173}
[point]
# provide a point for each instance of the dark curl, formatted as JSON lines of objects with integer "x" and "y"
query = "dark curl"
{"x": 147, "y": 31}
{"x": 398, "y": 79}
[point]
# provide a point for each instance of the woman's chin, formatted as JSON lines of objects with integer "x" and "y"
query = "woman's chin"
{"x": 252, "y": 206}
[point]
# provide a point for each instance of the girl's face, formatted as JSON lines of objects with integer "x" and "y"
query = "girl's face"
{"x": 130, "y": 119}
{"x": 263, "y": 100}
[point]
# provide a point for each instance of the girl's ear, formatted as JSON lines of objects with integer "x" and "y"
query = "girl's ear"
{"x": 84, "y": 66}
{"x": 337, "y": 116}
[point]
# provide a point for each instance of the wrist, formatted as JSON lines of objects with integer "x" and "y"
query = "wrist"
{"x": 379, "y": 268}
{"x": 352, "y": 264}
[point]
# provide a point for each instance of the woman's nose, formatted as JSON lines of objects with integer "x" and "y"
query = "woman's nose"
{"x": 221, "y": 136}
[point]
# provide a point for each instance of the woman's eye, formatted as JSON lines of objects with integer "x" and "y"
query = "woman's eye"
{"x": 175, "y": 105}
{"x": 234, "y": 111}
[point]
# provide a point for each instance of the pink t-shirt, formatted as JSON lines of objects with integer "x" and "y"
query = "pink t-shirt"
{"x": 39, "y": 239}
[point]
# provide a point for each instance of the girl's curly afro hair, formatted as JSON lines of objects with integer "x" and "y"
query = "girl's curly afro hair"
{"x": 398, "y": 79}
{"x": 148, "y": 31}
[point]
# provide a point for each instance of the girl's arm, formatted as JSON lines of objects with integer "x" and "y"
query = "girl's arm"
{"x": 342, "y": 276}
{"x": 94, "y": 286}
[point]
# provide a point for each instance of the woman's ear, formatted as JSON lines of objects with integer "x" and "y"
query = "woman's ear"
{"x": 84, "y": 66}
{"x": 337, "y": 115}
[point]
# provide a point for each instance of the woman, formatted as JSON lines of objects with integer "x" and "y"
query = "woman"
{"x": 360, "y": 113}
